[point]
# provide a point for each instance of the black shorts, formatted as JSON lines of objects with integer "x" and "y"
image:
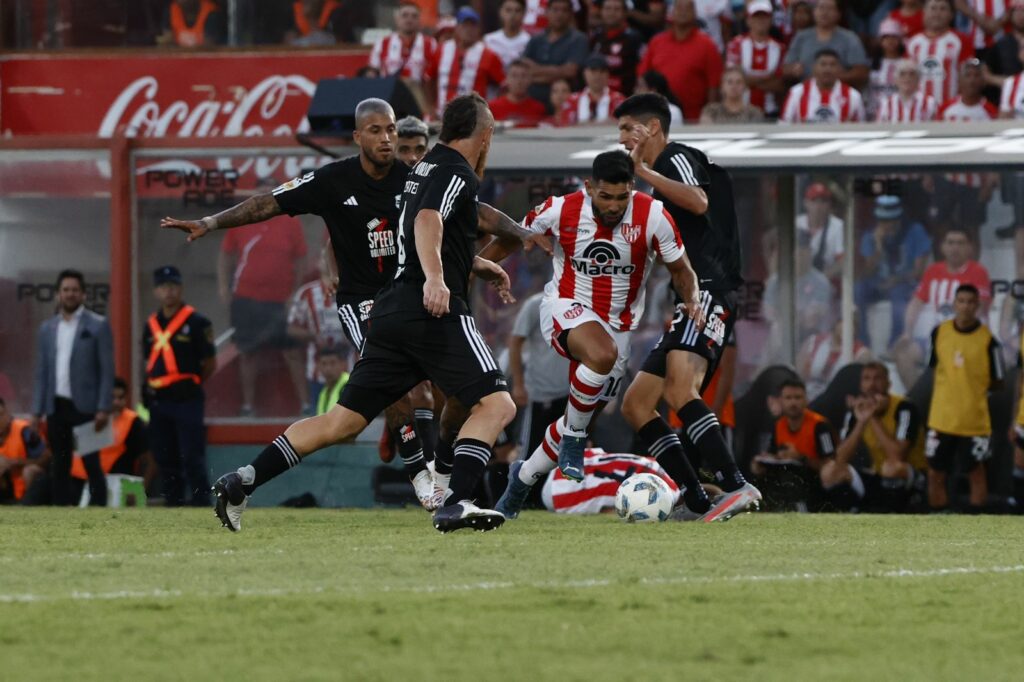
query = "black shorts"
{"x": 1018, "y": 436}
{"x": 403, "y": 349}
{"x": 947, "y": 453}
{"x": 355, "y": 319}
{"x": 719, "y": 307}
{"x": 259, "y": 324}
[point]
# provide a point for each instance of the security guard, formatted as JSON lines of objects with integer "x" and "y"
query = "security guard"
{"x": 177, "y": 347}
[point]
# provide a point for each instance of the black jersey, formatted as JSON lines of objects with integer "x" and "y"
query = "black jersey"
{"x": 444, "y": 182}
{"x": 712, "y": 240}
{"x": 361, "y": 215}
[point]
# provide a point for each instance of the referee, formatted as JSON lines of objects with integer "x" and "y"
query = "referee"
{"x": 420, "y": 328}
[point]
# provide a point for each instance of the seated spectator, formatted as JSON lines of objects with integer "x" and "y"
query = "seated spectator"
{"x": 759, "y": 56}
{"x": 556, "y": 53}
{"x": 802, "y": 443}
{"x": 23, "y": 460}
{"x": 333, "y": 367}
{"x": 820, "y": 358}
{"x": 987, "y": 18}
{"x": 405, "y": 52}
{"x": 733, "y": 106}
{"x": 909, "y": 15}
{"x": 516, "y": 105}
{"x": 509, "y": 42}
{"x": 413, "y": 140}
{"x": 801, "y": 16}
{"x": 620, "y": 45}
{"x": 604, "y": 472}
{"x": 824, "y": 228}
{"x": 653, "y": 81}
{"x": 888, "y": 428}
{"x": 882, "y": 82}
{"x": 894, "y": 256}
{"x": 464, "y": 64}
{"x": 688, "y": 58}
{"x": 939, "y": 50}
{"x": 932, "y": 302}
{"x": 193, "y": 23}
{"x": 823, "y": 98}
{"x": 596, "y": 102}
{"x": 313, "y": 322}
{"x": 560, "y": 94}
{"x": 827, "y": 34}
{"x": 909, "y": 103}
{"x": 1003, "y": 59}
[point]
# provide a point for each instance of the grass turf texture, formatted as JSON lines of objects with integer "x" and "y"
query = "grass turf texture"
{"x": 379, "y": 595}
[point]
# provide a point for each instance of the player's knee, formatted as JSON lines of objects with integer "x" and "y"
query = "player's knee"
{"x": 833, "y": 474}
{"x": 680, "y": 393}
{"x": 635, "y": 410}
{"x": 499, "y": 407}
{"x": 894, "y": 469}
{"x": 422, "y": 397}
{"x": 602, "y": 357}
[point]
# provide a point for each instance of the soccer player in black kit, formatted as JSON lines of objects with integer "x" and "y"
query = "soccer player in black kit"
{"x": 698, "y": 195}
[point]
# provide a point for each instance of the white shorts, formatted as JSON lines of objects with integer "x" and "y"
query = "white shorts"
{"x": 558, "y": 315}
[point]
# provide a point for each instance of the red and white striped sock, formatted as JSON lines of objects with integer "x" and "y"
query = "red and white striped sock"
{"x": 585, "y": 386}
{"x": 545, "y": 458}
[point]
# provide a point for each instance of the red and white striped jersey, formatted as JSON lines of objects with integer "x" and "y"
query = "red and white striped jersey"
{"x": 759, "y": 60}
{"x": 393, "y": 56}
{"x": 895, "y": 109}
{"x": 603, "y": 473}
{"x": 581, "y": 108}
{"x": 606, "y": 268}
{"x": 940, "y": 60}
{"x": 460, "y": 72}
{"x": 996, "y": 9}
{"x": 1011, "y": 101}
{"x": 956, "y": 110}
{"x": 313, "y": 310}
{"x": 807, "y": 103}
{"x": 881, "y": 84}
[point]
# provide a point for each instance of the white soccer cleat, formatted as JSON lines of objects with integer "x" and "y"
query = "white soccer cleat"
{"x": 231, "y": 501}
{"x": 423, "y": 484}
{"x": 747, "y": 498}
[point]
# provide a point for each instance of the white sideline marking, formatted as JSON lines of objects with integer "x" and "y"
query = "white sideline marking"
{"x": 92, "y": 556}
{"x": 504, "y": 585}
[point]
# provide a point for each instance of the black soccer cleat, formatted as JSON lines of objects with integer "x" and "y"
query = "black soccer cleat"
{"x": 465, "y": 514}
{"x": 231, "y": 501}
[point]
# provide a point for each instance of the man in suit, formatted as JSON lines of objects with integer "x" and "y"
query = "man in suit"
{"x": 74, "y": 382}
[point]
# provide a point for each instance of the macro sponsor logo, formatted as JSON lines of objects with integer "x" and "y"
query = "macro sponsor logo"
{"x": 600, "y": 258}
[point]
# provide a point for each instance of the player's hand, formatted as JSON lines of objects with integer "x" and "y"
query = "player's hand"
{"x": 493, "y": 273}
{"x": 541, "y": 241}
{"x": 863, "y": 409}
{"x": 435, "y": 296}
{"x": 196, "y": 229}
{"x": 330, "y": 284}
{"x": 694, "y": 310}
{"x": 641, "y": 134}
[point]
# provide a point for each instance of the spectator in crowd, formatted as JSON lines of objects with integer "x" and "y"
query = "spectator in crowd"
{"x": 653, "y": 81}
{"x": 536, "y": 19}
{"x": 813, "y": 291}
{"x": 894, "y": 256}
{"x": 824, "y": 228}
{"x": 129, "y": 454}
{"x": 909, "y": 103}
{"x": 445, "y": 28}
{"x": 820, "y": 357}
{"x": 715, "y": 18}
{"x": 313, "y": 321}
{"x": 987, "y": 18}
{"x": 827, "y": 34}
{"x": 558, "y": 52}
{"x": 177, "y": 343}
{"x": 332, "y": 366}
{"x": 1011, "y": 106}
{"x": 74, "y": 382}
{"x": 647, "y": 17}
{"x": 733, "y": 106}
{"x": 888, "y": 428}
{"x": 933, "y": 300}
{"x": 968, "y": 362}
{"x": 909, "y": 15}
{"x": 509, "y": 42}
{"x": 405, "y": 52}
{"x": 23, "y": 459}
{"x": 318, "y": 22}
{"x": 368, "y": 72}
{"x": 1003, "y": 58}
{"x": 688, "y": 58}
{"x": 560, "y": 94}
{"x": 760, "y": 57}
{"x": 413, "y": 140}
{"x": 258, "y": 268}
{"x": 465, "y": 64}
{"x": 516, "y": 105}
{"x": 539, "y": 375}
{"x": 823, "y": 98}
{"x": 596, "y": 101}
{"x": 193, "y": 23}
{"x": 620, "y": 45}
{"x": 801, "y": 16}
{"x": 882, "y": 82}
{"x": 939, "y": 50}
{"x": 803, "y": 441}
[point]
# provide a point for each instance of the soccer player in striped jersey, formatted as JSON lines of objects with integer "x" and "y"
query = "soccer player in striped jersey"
{"x": 607, "y": 238}
{"x": 604, "y": 473}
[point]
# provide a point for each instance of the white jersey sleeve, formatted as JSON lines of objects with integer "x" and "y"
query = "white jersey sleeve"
{"x": 376, "y": 54}
{"x": 544, "y": 219}
{"x": 857, "y": 112}
{"x": 665, "y": 236}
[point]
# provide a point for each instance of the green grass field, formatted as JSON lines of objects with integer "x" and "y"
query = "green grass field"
{"x": 379, "y": 595}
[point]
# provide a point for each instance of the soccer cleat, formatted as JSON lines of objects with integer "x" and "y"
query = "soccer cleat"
{"x": 683, "y": 513}
{"x": 440, "y": 489}
{"x": 231, "y": 501}
{"x": 747, "y": 498}
{"x": 570, "y": 455}
{"x": 465, "y": 514}
{"x": 423, "y": 484}
{"x": 514, "y": 497}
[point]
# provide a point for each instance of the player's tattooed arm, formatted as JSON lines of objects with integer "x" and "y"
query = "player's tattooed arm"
{"x": 495, "y": 222}
{"x": 255, "y": 209}
{"x": 684, "y": 281}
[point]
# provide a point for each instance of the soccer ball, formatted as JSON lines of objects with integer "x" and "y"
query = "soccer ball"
{"x": 643, "y": 497}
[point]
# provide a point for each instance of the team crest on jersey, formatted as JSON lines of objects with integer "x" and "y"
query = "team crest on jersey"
{"x": 631, "y": 233}
{"x": 574, "y": 311}
{"x": 364, "y": 310}
{"x": 599, "y": 258}
{"x": 824, "y": 114}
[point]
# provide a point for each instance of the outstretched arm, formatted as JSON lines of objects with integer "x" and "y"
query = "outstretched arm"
{"x": 255, "y": 209}
{"x": 508, "y": 235}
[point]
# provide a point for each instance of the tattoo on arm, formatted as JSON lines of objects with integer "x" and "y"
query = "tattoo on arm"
{"x": 493, "y": 221}
{"x": 255, "y": 209}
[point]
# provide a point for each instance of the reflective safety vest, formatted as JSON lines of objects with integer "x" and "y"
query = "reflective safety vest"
{"x": 329, "y": 395}
{"x": 190, "y": 36}
{"x": 162, "y": 348}
{"x": 325, "y": 16}
{"x": 121, "y": 425}
{"x": 14, "y": 448}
